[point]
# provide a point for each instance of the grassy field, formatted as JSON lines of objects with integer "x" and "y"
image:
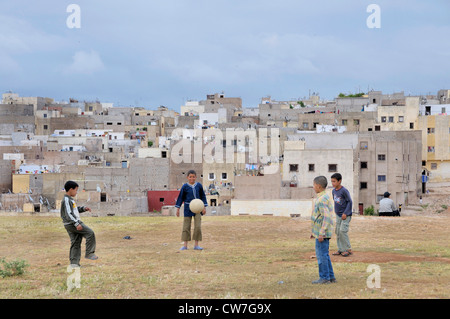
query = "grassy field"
{"x": 243, "y": 257}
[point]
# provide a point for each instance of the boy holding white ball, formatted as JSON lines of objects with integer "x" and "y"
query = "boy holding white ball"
{"x": 189, "y": 192}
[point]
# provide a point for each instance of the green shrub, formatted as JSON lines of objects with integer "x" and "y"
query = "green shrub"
{"x": 13, "y": 268}
{"x": 369, "y": 211}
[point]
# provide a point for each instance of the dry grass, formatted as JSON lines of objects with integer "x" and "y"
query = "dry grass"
{"x": 243, "y": 257}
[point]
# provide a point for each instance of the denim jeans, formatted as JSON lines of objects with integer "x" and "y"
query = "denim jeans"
{"x": 323, "y": 259}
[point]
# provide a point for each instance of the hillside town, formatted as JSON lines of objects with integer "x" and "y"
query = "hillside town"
{"x": 259, "y": 160}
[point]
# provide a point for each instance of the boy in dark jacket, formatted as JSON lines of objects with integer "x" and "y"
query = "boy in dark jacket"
{"x": 189, "y": 191}
{"x": 343, "y": 208}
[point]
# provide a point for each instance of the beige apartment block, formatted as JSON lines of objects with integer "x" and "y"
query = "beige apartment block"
{"x": 301, "y": 165}
{"x": 388, "y": 162}
{"x": 436, "y": 146}
{"x": 398, "y": 114}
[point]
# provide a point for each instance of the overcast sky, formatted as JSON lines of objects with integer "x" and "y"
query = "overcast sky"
{"x": 151, "y": 53}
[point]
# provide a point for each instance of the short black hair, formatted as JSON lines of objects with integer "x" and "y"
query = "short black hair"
{"x": 337, "y": 176}
{"x": 70, "y": 185}
{"x": 191, "y": 171}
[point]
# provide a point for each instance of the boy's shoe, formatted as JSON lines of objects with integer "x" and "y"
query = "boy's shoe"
{"x": 183, "y": 248}
{"x": 333, "y": 280}
{"x": 321, "y": 281}
{"x": 75, "y": 266}
{"x": 198, "y": 248}
{"x": 92, "y": 257}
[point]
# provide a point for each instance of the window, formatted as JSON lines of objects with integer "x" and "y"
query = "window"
{"x": 305, "y": 125}
{"x": 377, "y": 128}
{"x": 311, "y": 167}
{"x": 45, "y": 127}
{"x": 332, "y": 168}
{"x": 224, "y": 176}
{"x": 161, "y": 200}
{"x": 293, "y": 167}
{"x": 363, "y": 164}
{"x": 381, "y": 178}
{"x": 109, "y": 123}
{"x": 344, "y": 122}
{"x": 381, "y": 157}
{"x": 379, "y": 198}
{"x": 433, "y": 166}
{"x": 363, "y": 145}
{"x": 411, "y": 126}
{"x": 211, "y": 176}
{"x": 430, "y": 149}
{"x": 391, "y": 119}
{"x": 383, "y": 119}
{"x": 401, "y": 119}
{"x": 430, "y": 130}
{"x": 363, "y": 185}
{"x": 90, "y": 108}
{"x": 355, "y": 122}
{"x": 103, "y": 197}
{"x": 45, "y": 115}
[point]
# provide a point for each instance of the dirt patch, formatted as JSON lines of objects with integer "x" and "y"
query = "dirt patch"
{"x": 379, "y": 257}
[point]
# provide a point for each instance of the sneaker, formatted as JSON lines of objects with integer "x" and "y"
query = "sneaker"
{"x": 198, "y": 248}
{"x": 92, "y": 257}
{"x": 321, "y": 281}
{"x": 333, "y": 280}
{"x": 183, "y": 248}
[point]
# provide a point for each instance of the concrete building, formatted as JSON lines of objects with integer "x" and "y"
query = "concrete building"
{"x": 398, "y": 114}
{"x": 16, "y": 118}
{"x": 443, "y": 96}
{"x": 388, "y": 161}
{"x": 435, "y": 129}
{"x": 192, "y": 108}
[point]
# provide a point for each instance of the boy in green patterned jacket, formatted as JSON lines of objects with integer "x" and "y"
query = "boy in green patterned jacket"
{"x": 322, "y": 229}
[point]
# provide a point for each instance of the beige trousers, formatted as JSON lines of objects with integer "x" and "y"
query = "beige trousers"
{"x": 186, "y": 234}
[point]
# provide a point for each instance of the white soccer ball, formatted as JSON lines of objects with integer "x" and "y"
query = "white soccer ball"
{"x": 196, "y": 206}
